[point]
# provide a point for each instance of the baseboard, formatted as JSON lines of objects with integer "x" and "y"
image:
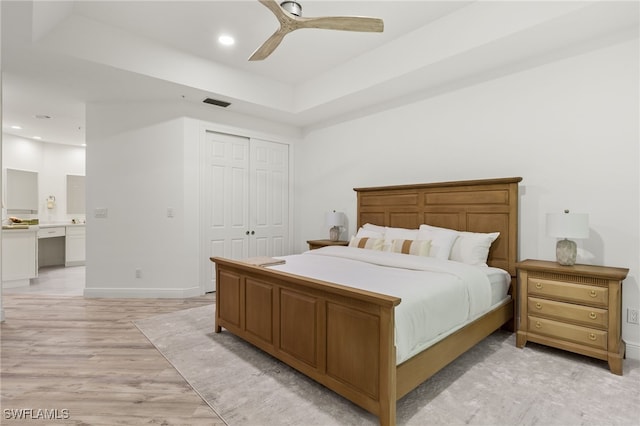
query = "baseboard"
{"x": 16, "y": 283}
{"x": 632, "y": 351}
{"x": 142, "y": 293}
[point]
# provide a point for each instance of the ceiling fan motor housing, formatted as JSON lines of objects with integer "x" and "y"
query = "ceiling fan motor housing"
{"x": 292, "y": 7}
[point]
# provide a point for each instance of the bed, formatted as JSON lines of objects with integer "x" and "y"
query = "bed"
{"x": 345, "y": 337}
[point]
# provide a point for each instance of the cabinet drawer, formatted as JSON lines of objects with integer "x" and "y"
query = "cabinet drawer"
{"x": 575, "y": 333}
{"x": 58, "y": 231}
{"x": 589, "y": 316}
{"x": 76, "y": 230}
{"x": 588, "y": 294}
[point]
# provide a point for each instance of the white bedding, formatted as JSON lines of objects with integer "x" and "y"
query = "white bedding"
{"x": 438, "y": 296}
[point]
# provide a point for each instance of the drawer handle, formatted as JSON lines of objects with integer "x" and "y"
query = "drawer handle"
{"x": 539, "y": 305}
{"x": 539, "y": 286}
{"x": 593, "y": 315}
{"x": 592, "y": 336}
{"x": 538, "y": 325}
{"x": 593, "y": 293}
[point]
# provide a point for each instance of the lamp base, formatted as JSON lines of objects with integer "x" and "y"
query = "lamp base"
{"x": 334, "y": 233}
{"x": 566, "y": 251}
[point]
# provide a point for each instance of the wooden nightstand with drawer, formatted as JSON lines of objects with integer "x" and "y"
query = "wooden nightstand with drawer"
{"x": 576, "y": 308}
{"x": 316, "y": 244}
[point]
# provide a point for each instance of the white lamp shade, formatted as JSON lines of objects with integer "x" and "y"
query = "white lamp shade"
{"x": 568, "y": 225}
{"x": 334, "y": 219}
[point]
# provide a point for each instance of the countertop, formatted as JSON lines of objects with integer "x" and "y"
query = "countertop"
{"x": 20, "y": 228}
{"x": 56, "y": 224}
{"x": 32, "y": 228}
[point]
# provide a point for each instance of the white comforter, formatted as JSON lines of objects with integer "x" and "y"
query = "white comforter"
{"x": 437, "y": 295}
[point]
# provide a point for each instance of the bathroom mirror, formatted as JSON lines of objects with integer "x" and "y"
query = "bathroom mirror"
{"x": 75, "y": 194}
{"x": 21, "y": 191}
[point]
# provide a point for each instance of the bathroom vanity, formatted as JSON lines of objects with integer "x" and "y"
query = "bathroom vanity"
{"x": 25, "y": 249}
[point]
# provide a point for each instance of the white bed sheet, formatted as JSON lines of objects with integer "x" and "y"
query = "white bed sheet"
{"x": 438, "y": 296}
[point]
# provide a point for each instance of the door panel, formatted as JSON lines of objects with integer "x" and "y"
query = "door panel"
{"x": 226, "y": 199}
{"x": 269, "y": 195}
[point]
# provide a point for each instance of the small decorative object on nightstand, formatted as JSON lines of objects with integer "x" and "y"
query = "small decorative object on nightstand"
{"x": 576, "y": 308}
{"x": 334, "y": 220}
{"x": 316, "y": 244}
{"x": 567, "y": 225}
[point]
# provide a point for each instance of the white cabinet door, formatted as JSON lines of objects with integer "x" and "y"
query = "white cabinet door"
{"x": 75, "y": 243}
{"x": 19, "y": 257}
{"x": 246, "y": 192}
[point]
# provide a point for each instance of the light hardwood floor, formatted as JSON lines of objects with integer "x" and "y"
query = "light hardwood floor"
{"x": 87, "y": 357}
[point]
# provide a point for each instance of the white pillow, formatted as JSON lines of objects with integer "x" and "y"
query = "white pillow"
{"x": 369, "y": 233}
{"x": 473, "y": 247}
{"x": 376, "y": 228}
{"x": 367, "y": 243}
{"x": 442, "y": 240}
{"x": 400, "y": 234}
{"x": 414, "y": 247}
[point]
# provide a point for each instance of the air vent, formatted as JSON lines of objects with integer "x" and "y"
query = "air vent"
{"x": 216, "y": 102}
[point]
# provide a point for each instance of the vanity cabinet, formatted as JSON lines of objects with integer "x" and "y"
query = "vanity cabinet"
{"x": 61, "y": 245}
{"x": 19, "y": 257}
{"x": 75, "y": 246}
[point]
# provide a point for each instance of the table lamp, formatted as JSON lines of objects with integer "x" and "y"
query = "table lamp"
{"x": 334, "y": 220}
{"x": 567, "y": 225}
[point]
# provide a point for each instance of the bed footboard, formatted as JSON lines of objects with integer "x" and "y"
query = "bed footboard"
{"x": 339, "y": 336}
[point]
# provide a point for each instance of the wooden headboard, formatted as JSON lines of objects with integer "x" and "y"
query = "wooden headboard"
{"x": 487, "y": 205}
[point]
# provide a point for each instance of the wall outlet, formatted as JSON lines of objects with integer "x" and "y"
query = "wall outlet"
{"x": 138, "y": 273}
{"x": 632, "y": 316}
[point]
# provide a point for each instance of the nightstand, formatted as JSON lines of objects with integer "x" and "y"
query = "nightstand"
{"x": 576, "y": 308}
{"x": 315, "y": 244}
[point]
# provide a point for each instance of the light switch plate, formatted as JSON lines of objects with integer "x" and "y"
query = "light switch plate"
{"x": 100, "y": 213}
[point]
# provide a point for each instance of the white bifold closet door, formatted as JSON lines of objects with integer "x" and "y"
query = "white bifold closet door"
{"x": 246, "y": 187}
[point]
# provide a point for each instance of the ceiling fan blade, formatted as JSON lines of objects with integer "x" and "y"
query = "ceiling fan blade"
{"x": 274, "y": 7}
{"x": 343, "y": 23}
{"x": 269, "y": 46}
{"x": 290, "y": 22}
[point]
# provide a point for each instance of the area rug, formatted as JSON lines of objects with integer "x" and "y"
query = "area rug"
{"x": 494, "y": 383}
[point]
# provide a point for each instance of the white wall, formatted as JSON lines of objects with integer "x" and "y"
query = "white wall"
{"x": 53, "y": 162}
{"x": 569, "y": 128}
{"x": 137, "y": 175}
{"x": 143, "y": 159}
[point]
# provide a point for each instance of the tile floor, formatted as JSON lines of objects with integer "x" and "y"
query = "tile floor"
{"x": 55, "y": 280}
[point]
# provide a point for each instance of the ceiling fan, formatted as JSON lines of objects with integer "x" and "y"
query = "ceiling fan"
{"x": 289, "y": 14}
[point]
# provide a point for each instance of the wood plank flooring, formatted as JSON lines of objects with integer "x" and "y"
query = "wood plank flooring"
{"x": 87, "y": 357}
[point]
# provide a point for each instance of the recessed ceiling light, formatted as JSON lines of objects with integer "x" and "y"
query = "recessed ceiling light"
{"x": 37, "y": 137}
{"x": 16, "y": 127}
{"x": 226, "y": 40}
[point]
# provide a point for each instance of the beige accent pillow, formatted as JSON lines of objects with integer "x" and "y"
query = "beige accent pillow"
{"x": 367, "y": 243}
{"x": 414, "y": 247}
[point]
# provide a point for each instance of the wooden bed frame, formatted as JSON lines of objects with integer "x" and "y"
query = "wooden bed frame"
{"x": 344, "y": 337}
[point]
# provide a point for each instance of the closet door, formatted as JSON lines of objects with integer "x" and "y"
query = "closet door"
{"x": 269, "y": 198}
{"x": 246, "y": 191}
{"x": 226, "y": 197}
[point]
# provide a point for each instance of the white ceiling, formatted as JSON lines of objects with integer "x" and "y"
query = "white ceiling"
{"x": 58, "y": 56}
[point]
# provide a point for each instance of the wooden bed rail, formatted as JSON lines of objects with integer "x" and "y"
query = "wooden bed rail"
{"x": 339, "y": 336}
